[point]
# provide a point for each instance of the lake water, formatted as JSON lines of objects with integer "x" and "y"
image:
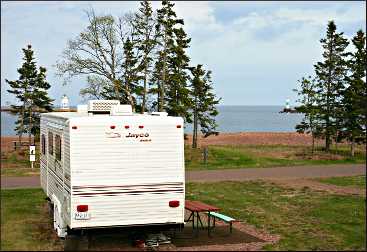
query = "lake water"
{"x": 230, "y": 119}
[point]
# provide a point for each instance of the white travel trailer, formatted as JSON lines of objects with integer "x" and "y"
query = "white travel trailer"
{"x": 104, "y": 166}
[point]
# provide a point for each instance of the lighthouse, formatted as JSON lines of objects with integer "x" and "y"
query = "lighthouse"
{"x": 287, "y": 106}
{"x": 64, "y": 102}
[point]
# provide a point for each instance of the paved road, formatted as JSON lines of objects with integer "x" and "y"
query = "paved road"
{"x": 282, "y": 173}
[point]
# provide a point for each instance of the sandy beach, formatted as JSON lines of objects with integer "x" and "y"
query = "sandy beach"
{"x": 256, "y": 138}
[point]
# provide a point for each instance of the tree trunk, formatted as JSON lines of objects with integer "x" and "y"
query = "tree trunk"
{"x": 195, "y": 131}
{"x": 129, "y": 96}
{"x": 327, "y": 139}
{"x": 145, "y": 90}
{"x": 145, "y": 66}
{"x": 163, "y": 83}
{"x": 313, "y": 144}
{"x": 30, "y": 124}
{"x": 22, "y": 125}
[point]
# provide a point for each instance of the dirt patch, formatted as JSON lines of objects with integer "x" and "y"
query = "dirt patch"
{"x": 244, "y": 238}
{"x": 318, "y": 186}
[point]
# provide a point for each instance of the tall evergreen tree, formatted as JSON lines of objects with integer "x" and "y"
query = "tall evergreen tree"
{"x": 355, "y": 95}
{"x": 204, "y": 102}
{"x": 31, "y": 90}
{"x": 144, "y": 24}
{"x": 156, "y": 81}
{"x": 177, "y": 97}
{"x": 130, "y": 77}
{"x": 330, "y": 82}
{"x": 307, "y": 98}
{"x": 166, "y": 20}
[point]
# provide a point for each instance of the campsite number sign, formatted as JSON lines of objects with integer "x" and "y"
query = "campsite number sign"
{"x": 32, "y": 154}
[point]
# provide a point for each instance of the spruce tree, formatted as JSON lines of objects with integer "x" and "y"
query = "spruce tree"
{"x": 204, "y": 102}
{"x": 130, "y": 77}
{"x": 354, "y": 96}
{"x": 31, "y": 91}
{"x": 177, "y": 96}
{"x": 144, "y": 32}
{"x": 330, "y": 82}
{"x": 166, "y": 20}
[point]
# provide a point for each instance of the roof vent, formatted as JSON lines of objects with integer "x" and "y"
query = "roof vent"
{"x": 119, "y": 110}
{"x": 101, "y": 106}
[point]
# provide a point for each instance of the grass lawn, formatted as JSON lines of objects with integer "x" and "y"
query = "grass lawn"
{"x": 17, "y": 164}
{"x": 25, "y": 224}
{"x": 306, "y": 220}
{"x": 252, "y": 156}
{"x": 355, "y": 181}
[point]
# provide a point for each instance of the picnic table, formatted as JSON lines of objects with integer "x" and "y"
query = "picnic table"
{"x": 196, "y": 207}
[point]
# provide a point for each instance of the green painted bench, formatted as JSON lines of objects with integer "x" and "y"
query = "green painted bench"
{"x": 222, "y": 217}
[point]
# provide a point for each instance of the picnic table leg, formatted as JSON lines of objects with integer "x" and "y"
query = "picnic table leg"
{"x": 202, "y": 226}
{"x": 209, "y": 224}
{"x": 188, "y": 219}
{"x": 197, "y": 223}
{"x": 230, "y": 227}
{"x": 193, "y": 221}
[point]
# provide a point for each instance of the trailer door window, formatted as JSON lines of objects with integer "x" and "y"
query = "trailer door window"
{"x": 50, "y": 143}
{"x": 58, "y": 147}
{"x": 43, "y": 143}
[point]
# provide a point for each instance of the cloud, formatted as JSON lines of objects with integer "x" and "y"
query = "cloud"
{"x": 257, "y": 50}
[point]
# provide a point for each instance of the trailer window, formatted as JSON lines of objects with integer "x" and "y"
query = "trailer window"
{"x": 43, "y": 143}
{"x": 58, "y": 147}
{"x": 50, "y": 143}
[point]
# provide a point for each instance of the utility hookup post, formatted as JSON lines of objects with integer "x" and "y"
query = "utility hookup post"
{"x": 32, "y": 154}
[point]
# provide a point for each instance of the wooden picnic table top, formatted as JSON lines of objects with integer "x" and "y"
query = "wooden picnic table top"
{"x": 197, "y": 206}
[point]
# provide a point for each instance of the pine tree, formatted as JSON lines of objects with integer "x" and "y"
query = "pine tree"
{"x": 330, "y": 82}
{"x": 204, "y": 102}
{"x": 354, "y": 96}
{"x": 156, "y": 82}
{"x": 144, "y": 24}
{"x": 31, "y": 90}
{"x": 130, "y": 78}
{"x": 166, "y": 20}
{"x": 307, "y": 99}
{"x": 177, "y": 96}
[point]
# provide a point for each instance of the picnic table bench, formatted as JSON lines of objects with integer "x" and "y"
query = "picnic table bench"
{"x": 197, "y": 207}
{"x": 222, "y": 217}
{"x": 16, "y": 144}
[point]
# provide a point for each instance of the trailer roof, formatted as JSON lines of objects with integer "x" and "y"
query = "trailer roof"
{"x": 70, "y": 115}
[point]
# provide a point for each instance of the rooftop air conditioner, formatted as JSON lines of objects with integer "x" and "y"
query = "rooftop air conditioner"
{"x": 101, "y": 106}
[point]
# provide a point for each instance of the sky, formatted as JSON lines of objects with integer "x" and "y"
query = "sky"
{"x": 256, "y": 50}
